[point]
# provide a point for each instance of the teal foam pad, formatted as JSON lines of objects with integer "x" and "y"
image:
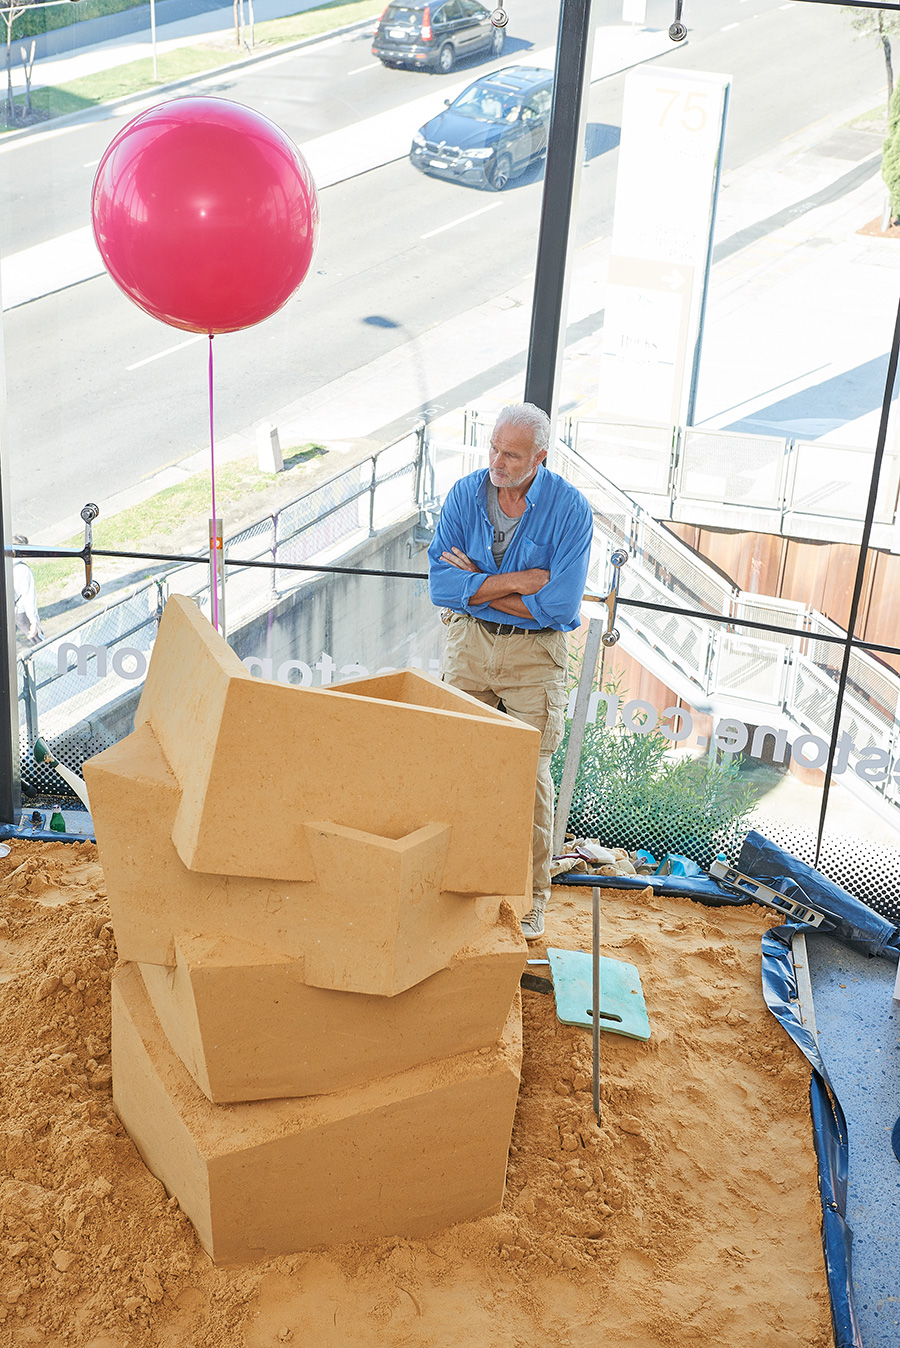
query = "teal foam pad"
{"x": 622, "y": 1006}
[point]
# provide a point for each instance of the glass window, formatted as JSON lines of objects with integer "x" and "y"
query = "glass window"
{"x": 402, "y": 14}
{"x": 449, "y": 12}
{"x": 109, "y": 406}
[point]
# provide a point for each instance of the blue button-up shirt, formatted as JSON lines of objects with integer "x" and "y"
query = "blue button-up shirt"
{"x": 554, "y": 533}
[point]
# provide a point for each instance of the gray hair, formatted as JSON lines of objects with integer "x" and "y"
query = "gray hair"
{"x": 530, "y": 418}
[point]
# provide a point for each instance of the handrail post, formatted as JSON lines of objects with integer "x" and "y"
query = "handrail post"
{"x": 372, "y": 483}
{"x": 419, "y": 489}
{"x": 576, "y": 731}
{"x": 29, "y": 698}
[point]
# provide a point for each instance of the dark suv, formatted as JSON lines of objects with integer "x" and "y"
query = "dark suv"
{"x": 435, "y": 35}
{"x": 492, "y": 132}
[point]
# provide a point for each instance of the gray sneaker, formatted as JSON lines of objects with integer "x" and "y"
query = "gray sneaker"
{"x": 533, "y": 925}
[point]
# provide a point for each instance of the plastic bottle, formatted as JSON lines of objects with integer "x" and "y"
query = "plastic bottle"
{"x": 57, "y": 823}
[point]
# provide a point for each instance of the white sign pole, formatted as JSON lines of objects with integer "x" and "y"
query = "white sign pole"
{"x": 672, "y": 131}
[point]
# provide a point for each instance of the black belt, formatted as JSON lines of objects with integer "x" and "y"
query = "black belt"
{"x": 510, "y": 629}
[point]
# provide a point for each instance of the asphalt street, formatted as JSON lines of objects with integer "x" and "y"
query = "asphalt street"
{"x": 100, "y": 396}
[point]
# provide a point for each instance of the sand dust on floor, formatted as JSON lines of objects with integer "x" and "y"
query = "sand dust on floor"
{"x": 690, "y": 1218}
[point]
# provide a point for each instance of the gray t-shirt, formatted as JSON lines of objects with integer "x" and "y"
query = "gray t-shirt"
{"x": 504, "y": 525}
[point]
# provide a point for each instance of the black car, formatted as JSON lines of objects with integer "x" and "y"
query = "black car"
{"x": 492, "y": 132}
{"x": 434, "y": 36}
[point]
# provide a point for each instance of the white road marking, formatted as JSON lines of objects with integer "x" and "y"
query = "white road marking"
{"x": 461, "y": 221}
{"x": 333, "y": 157}
{"x": 47, "y": 267}
{"x": 359, "y": 69}
{"x": 168, "y": 351}
{"x": 728, "y": 27}
{"x": 91, "y": 163}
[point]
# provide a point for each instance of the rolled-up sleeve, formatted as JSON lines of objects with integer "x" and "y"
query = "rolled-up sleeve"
{"x": 448, "y": 586}
{"x": 557, "y": 604}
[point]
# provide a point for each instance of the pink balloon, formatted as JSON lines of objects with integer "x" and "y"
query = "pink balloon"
{"x": 205, "y": 214}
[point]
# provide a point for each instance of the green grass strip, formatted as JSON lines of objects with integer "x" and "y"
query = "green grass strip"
{"x": 137, "y": 77}
{"x": 150, "y": 525}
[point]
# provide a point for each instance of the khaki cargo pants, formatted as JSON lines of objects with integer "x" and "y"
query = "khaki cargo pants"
{"x": 527, "y": 673}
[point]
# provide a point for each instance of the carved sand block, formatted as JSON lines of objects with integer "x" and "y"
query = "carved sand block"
{"x": 371, "y": 925}
{"x": 403, "y": 1155}
{"x": 247, "y": 1027}
{"x": 244, "y": 751}
{"x": 261, "y": 813}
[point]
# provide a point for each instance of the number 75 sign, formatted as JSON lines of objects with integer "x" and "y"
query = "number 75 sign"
{"x": 673, "y": 125}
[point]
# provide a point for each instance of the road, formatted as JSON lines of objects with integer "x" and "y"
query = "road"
{"x": 100, "y": 396}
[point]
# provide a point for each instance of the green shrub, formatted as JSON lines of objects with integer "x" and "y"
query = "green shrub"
{"x": 630, "y": 792}
{"x": 890, "y": 163}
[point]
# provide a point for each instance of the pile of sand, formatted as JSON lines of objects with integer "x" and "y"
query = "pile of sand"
{"x": 690, "y": 1218}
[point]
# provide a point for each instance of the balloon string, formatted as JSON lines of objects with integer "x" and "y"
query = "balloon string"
{"x": 214, "y": 540}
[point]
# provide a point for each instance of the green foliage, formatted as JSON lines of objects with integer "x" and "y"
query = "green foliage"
{"x": 632, "y": 792}
{"x": 890, "y": 162}
{"x": 34, "y": 21}
{"x": 873, "y": 22}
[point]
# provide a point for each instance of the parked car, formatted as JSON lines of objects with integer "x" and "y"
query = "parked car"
{"x": 491, "y": 132}
{"x": 434, "y": 36}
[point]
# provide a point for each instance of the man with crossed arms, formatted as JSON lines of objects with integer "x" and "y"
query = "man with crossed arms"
{"x": 509, "y": 562}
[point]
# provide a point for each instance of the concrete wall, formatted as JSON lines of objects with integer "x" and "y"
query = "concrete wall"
{"x": 364, "y": 621}
{"x": 356, "y": 620}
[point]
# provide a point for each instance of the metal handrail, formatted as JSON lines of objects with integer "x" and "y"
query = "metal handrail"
{"x": 26, "y": 658}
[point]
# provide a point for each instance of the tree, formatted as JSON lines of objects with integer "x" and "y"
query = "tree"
{"x": 890, "y": 158}
{"x": 11, "y": 12}
{"x": 881, "y": 24}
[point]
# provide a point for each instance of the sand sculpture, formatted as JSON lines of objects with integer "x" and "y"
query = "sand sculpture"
{"x": 316, "y": 894}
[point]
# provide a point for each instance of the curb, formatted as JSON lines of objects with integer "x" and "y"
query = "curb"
{"x": 103, "y": 111}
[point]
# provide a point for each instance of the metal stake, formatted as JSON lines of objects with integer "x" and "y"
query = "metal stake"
{"x": 217, "y": 574}
{"x": 576, "y": 732}
{"x": 595, "y": 638}
{"x": 595, "y": 1017}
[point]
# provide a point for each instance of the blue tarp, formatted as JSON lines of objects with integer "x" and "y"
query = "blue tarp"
{"x": 851, "y": 920}
{"x": 779, "y": 983}
{"x": 699, "y": 887}
{"x": 860, "y": 926}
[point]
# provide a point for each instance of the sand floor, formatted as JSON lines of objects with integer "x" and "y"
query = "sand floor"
{"x": 690, "y": 1218}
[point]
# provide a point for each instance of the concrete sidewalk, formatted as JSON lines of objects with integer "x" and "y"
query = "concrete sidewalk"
{"x": 205, "y": 25}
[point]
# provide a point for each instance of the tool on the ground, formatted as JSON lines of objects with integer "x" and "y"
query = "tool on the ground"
{"x": 532, "y": 983}
{"x": 757, "y": 892}
{"x": 677, "y": 30}
{"x": 43, "y": 755}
